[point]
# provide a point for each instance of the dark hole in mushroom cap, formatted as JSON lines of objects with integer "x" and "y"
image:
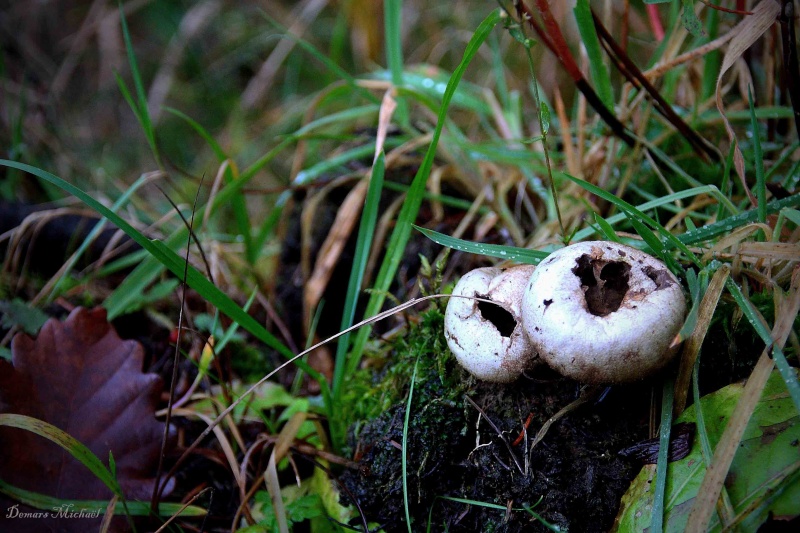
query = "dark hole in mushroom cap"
{"x": 606, "y": 283}
{"x": 499, "y": 317}
{"x": 583, "y": 269}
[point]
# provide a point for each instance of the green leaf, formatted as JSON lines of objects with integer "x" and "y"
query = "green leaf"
{"x": 545, "y": 117}
{"x": 764, "y": 474}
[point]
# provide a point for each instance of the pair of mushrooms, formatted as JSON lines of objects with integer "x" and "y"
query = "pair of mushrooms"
{"x": 597, "y": 312}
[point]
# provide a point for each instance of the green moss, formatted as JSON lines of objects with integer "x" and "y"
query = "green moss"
{"x": 385, "y": 378}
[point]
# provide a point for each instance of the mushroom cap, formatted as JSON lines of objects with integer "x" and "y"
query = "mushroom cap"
{"x": 602, "y": 312}
{"x": 489, "y": 340}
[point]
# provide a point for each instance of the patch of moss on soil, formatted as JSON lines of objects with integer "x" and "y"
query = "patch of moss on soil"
{"x": 574, "y": 478}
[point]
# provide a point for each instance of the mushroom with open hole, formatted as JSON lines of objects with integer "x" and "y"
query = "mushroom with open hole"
{"x": 602, "y": 312}
{"x": 487, "y": 338}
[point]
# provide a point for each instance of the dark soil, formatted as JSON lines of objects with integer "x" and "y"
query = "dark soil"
{"x": 576, "y": 471}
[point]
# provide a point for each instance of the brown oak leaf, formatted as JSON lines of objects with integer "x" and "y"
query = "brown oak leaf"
{"x": 81, "y": 377}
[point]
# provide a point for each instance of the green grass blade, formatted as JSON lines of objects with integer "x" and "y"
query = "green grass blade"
{"x": 140, "y": 105}
{"x": 605, "y": 228}
{"x": 348, "y": 115}
{"x": 598, "y": 70}
{"x": 725, "y": 182}
{"x": 758, "y": 155}
{"x": 697, "y": 288}
{"x": 521, "y": 255}
{"x": 672, "y": 165}
{"x": 711, "y": 61}
{"x": 70, "y": 444}
{"x": 121, "y": 201}
{"x": 653, "y": 242}
{"x": 787, "y": 372}
{"x": 667, "y": 395}
{"x": 652, "y": 204}
{"x": 689, "y": 238}
{"x": 725, "y": 226}
{"x": 404, "y": 461}
{"x": 201, "y": 131}
{"x": 330, "y": 65}
{"x": 173, "y": 262}
{"x": 333, "y": 163}
{"x": 631, "y": 210}
{"x": 393, "y": 42}
{"x": 239, "y": 203}
{"x": 48, "y": 503}
{"x": 366, "y": 231}
{"x": 149, "y": 268}
{"x": 408, "y": 213}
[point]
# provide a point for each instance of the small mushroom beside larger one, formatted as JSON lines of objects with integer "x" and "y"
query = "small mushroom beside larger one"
{"x": 602, "y": 312}
{"x": 488, "y": 339}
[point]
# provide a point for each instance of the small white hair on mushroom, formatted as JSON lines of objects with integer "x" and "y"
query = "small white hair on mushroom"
{"x": 488, "y": 340}
{"x": 603, "y": 312}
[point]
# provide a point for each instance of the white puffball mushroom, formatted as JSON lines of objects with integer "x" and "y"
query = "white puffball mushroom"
{"x": 602, "y": 312}
{"x": 487, "y": 339}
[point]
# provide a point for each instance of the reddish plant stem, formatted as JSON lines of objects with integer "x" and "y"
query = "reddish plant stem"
{"x": 632, "y": 73}
{"x": 524, "y": 430}
{"x": 727, "y": 10}
{"x": 655, "y": 22}
{"x": 552, "y": 37}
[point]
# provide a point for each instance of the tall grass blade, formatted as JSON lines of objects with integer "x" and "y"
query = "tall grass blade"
{"x": 239, "y": 203}
{"x": 408, "y": 213}
{"x": 725, "y": 226}
{"x": 69, "y": 443}
{"x": 121, "y": 201}
{"x": 139, "y": 106}
{"x": 601, "y": 79}
{"x": 136, "y": 282}
{"x": 201, "y": 131}
{"x": 393, "y": 41}
{"x": 48, "y": 503}
{"x": 366, "y": 231}
{"x": 631, "y": 210}
{"x": 787, "y": 372}
{"x": 667, "y": 394}
{"x": 521, "y": 255}
{"x": 404, "y": 461}
{"x": 758, "y": 156}
{"x": 173, "y": 262}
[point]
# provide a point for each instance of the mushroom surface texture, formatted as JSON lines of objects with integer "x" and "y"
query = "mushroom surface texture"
{"x": 602, "y": 312}
{"x": 487, "y": 339}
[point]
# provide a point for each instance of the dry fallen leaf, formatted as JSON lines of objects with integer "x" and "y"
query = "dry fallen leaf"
{"x": 81, "y": 377}
{"x": 747, "y": 32}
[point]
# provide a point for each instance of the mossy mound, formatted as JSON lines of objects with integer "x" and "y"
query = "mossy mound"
{"x": 455, "y": 451}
